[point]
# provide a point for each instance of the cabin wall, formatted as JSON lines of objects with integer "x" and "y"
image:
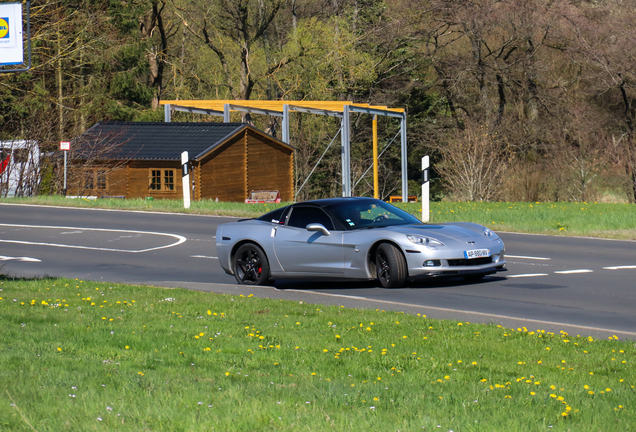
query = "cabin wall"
{"x": 118, "y": 182}
{"x": 139, "y": 179}
{"x": 222, "y": 174}
{"x": 269, "y": 166}
{"x": 128, "y": 181}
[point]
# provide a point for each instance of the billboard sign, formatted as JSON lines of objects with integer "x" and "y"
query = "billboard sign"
{"x": 11, "y": 44}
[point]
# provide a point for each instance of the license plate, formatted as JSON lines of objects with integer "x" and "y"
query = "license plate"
{"x": 476, "y": 253}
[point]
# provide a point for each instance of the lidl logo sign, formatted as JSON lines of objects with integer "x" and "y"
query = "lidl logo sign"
{"x": 4, "y": 28}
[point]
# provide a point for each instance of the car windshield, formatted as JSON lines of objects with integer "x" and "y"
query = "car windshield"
{"x": 369, "y": 213}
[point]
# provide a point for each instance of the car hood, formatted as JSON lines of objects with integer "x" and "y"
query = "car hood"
{"x": 439, "y": 232}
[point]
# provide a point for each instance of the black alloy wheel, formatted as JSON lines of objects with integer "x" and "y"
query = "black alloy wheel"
{"x": 390, "y": 266}
{"x": 250, "y": 265}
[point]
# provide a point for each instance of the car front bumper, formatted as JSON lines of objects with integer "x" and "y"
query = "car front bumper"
{"x": 420, "y": 267}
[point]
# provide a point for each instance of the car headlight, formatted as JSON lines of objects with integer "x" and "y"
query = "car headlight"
{"x": 424, "y": 241}
{"x": 490, "y": 234}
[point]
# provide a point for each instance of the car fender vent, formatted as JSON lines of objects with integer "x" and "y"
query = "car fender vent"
{"x": 227, "y": 238}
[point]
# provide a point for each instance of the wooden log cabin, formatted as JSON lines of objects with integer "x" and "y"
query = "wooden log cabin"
{"x": 140, "y": 159}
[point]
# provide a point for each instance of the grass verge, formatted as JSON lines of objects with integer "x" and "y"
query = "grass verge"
{"x": 79, "y": 355}
{"x": 605, "y": 220}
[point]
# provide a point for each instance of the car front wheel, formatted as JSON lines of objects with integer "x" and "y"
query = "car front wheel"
{"x": 390, "y": 266}
{"x": 250, "y": 265}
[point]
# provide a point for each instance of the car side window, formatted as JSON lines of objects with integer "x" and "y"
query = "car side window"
{"x": 276, "y": 216}
{"x": 302, "y": 216}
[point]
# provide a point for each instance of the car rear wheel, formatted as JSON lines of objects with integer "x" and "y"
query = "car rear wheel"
{"x": 390, "y": 266}
{"x": 250, "y": 265}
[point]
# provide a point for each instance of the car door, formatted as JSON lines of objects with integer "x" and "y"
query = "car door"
{"x": 302, "y": 251}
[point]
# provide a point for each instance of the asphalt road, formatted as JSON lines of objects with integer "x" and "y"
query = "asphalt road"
{"x": 579, "y": 285}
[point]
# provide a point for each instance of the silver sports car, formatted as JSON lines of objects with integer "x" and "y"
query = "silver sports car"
{"x": 354, "y": 238}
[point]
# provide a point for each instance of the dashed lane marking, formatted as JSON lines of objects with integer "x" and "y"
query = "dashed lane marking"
{"x": 527, "y": 257}
{"x": 526, "y": 275}
{"x": 620, "y": 267}
{"x": 203, "y": 256}
{"x": 574, "y": 271}
{"x": 23, "y": 259}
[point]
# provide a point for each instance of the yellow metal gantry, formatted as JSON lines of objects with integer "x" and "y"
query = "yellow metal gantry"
{"x": 283, "y": 108}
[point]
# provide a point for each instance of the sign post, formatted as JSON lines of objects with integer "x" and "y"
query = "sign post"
{"x": 185, "y": 179}
{"x": 65, "y": 146}
{"x": 426, "y": 215}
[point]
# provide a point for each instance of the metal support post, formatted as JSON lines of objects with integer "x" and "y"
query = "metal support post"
{"x": 405, "y": 180}
{"x": 346, "y": 153}
{"x": 65, "y": 157}
{"x": 286, "y": 124}
{"x": 376, "y": 182}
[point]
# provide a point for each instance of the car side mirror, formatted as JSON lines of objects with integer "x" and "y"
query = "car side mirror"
{"x": 318, "y": 227}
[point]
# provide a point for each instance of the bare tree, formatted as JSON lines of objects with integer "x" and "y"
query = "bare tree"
{"x": 606, "y": 42}
{"x": 473, "y": 163}
{"x": 234, "y": 29}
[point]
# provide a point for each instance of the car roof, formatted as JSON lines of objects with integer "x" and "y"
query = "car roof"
{"x": 324, "y": 202}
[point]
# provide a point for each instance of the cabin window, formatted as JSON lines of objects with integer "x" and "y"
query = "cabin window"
{"x": 101, "y": 180}
{"x": 87, "y": 182}
{"x": 168, "y": 179}
{"x": 161, "y": 180}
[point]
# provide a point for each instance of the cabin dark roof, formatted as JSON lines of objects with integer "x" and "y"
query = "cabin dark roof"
{"x": 154, "y": 141}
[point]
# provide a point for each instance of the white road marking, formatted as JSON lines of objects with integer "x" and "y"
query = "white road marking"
{"x": 574, "y": 271}
{"x": 487, "y": 315}
{"x": 121, "y": 210}
{"x": 24, "y": 259}
{"x": 180, "y": 239}
{"x": 203, "y": 256}
{"x": 527, "y": 275}
{"x": 620, "y": 267}
{"x": 527, "y": 257}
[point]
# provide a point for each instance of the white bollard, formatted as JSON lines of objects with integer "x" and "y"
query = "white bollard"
{"x": 426, "y": 215}
{"x": 185, "y": 179}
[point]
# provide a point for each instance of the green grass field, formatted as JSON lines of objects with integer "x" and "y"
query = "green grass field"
{"x": 82, "y": 356}
{"x": 606, "y": 220}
